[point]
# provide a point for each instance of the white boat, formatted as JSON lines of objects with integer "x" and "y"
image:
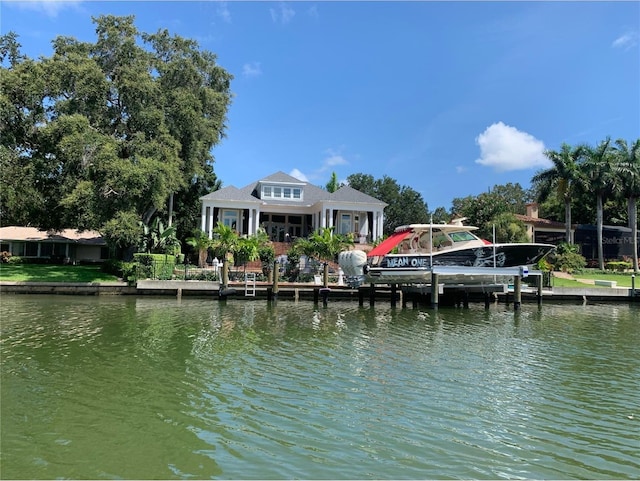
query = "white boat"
{"x": 451, "y": 250}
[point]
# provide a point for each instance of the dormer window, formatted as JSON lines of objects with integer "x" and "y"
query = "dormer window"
{"x": 281, "y": 193}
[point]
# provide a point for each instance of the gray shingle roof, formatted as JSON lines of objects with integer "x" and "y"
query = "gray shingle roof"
{"x": 349, "y": 194}
{"x": 312, "y": 193}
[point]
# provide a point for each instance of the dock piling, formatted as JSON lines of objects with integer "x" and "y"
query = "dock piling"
{"x": 434, "y": 290}
{"x": 517, "y": 292}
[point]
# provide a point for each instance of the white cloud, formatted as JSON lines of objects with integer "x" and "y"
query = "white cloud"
{"x": 223, "y": 11}
{"x": 626, "y": 41}
{"x": 505, "y": 148}
{"x": 251, "y": 69}
{"x": 334, "y": 158}
{"x": 299, "y": 175}
{"x": 313, "y": 12}
{"x": 283, "y": 14}
{"x": 460, "y": 169}
{"x": 50, "y": 8}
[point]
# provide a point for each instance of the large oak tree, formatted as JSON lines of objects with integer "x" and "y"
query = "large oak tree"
{"x": 101, "y": 135}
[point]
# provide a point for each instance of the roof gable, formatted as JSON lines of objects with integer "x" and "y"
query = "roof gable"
{"x": 230, "y": 193}
{"x": 312, "y": 193}
{"x": 347, "y": 193}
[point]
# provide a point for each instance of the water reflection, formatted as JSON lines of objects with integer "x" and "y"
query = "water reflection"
{"x": 165, "y": 388}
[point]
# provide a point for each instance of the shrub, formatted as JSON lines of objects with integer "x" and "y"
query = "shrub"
{"x": 112, "y": 266}
{"x": 154, "y": 266}
{"x": 567, "y": 259}
{"x": 16, "y": 260}
{"x": 5, "y": 256}
{"x": 619, "y": 266}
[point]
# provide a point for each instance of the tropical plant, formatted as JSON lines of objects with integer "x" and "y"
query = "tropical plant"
{"x": 627, "y": 167}
{"x": 155, "y": 238}
{"x": 323, "y": 245}
{"x": 599, "y": 178}
{"x": 566, "y": 258}
{"x": 200, "y": 242}
{"x": 224, "y": 243}
{"x": 561, "y": 179}
{"x": 249, "y": 248}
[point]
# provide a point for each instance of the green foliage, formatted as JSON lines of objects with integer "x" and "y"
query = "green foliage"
{"x": 494, "y": 207}
{"x": 566, "y": 258}
{"x": 154, "y": 266}
{"x": 333, "y": 183}
{"x": 155, "y": 238}
{"x": 619, "y": 266}
{"x": 103, "y": 131}
{"x": 323, "y": 245}
{"x": 201, "y": 243}
{"x": 247, "y": 250}
{"x": 123, "y": 230}
{"x": 225, "y": 241}
{"x": 267, "y": 255}
{"x": 508, "y": 228}
{"x": 292, "y": 268}
{"x": 405, "y": 205}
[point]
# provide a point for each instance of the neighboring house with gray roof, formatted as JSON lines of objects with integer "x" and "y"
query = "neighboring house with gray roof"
{"x": 287, "y": 208}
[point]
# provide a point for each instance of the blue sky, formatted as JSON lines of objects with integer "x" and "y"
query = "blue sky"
{"x": 448, "y": 98}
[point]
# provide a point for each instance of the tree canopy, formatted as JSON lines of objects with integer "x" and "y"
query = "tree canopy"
{"x": 405, "y": 205}
{"x": 100, "y": 135}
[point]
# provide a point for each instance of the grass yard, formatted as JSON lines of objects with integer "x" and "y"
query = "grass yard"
{"x": 581, "y": 279}
{"x": 53, "y": 273}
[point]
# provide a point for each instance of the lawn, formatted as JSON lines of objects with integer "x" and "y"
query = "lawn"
{"x": 622, "y": 279}
{"x": 53, "y": 273}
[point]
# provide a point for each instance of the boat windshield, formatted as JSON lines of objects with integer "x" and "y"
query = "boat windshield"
{"x": 462, "y": 236}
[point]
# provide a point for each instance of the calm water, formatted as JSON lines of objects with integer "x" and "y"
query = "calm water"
{"x": 104, "y": 388}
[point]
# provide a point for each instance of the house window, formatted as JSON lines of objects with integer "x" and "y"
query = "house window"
{"x": 230, "y": 218}
{"x": 281, "y": 192}
{"x": 18, "y": 248}
{"x": 46, "y": 250}
{"x": 32, "y": 249}
{"x": 345, "y": 224}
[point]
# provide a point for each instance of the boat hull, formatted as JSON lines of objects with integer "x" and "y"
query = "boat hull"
{"x": 470, "y": 265}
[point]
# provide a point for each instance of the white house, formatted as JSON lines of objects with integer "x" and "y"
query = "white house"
{"x": 288, "y": 208}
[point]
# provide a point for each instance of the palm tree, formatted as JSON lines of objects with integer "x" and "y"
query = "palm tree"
{"x": 225, "y": 241}
{"x": 201, "y": 242}
{"x": 599, "y": 178}
{"x": 561, "y": 179}
{"x": 323, "y": 245}
{"x": 628, "y": 169}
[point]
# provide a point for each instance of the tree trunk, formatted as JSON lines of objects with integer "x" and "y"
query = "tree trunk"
{"x": 567, "y": 220}
{"x": 170, "y": 209}
{"x": 632, "y": 207}
{"x": 599, "y": 222}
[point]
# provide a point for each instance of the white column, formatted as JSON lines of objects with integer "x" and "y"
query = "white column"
{"x": 250, "y": 224}
{"x": 203, "y": 222}
{"x": 210, "y": 233}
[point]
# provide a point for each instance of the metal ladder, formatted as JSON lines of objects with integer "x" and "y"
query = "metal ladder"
{"x": 250, "y": 284}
